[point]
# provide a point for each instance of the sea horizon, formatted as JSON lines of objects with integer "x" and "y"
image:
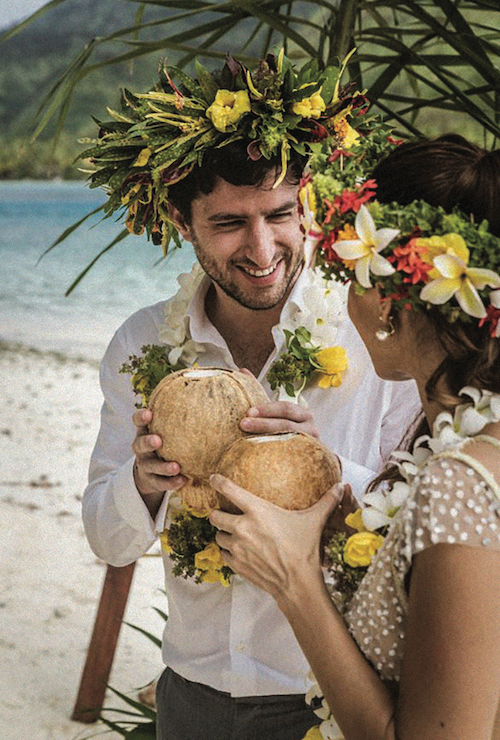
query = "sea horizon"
{"x": 34, "y": 311}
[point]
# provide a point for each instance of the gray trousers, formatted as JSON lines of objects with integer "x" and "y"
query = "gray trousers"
{"x": 193, "y": 711}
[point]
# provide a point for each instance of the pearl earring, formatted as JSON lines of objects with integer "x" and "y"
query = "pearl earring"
{"x": 383, "y": 334}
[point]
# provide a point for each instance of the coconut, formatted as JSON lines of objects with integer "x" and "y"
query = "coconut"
{"x": 292, "y": 470}
{"x": 197, "y": 413}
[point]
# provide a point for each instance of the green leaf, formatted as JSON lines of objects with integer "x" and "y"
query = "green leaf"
{"x": 155, "y": 640}
{"x": 142, "y": 708}
{"x": 208, "y": 85}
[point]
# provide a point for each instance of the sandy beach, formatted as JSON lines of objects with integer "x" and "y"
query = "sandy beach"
{"x": 50, "y": 580}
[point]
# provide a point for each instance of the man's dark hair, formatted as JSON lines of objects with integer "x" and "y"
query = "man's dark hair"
{"x": 233, "y": 164}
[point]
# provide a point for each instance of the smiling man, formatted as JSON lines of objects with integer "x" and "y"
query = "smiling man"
{"x": 234, "y": 668}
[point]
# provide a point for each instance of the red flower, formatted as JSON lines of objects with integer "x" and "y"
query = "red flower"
{"x": 326, "y": 245}
{"x": 392, "y": 140}
{"x": 337, "y": 153}
{"x": 352, "y": 200}
{"x": 407, "y": 259}
{"x": 493, "y": 317}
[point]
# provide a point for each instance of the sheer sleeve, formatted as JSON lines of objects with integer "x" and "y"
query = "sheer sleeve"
{"x": 453, "y": 504}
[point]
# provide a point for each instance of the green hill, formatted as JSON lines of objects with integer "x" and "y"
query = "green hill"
{"x": 33, "y": 60}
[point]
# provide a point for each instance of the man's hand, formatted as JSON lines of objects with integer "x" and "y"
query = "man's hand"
{"x": 279, "y": 416}
{"x": 152, "y": 475}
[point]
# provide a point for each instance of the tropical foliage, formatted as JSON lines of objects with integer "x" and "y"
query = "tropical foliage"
{"x": 416, "y": 58}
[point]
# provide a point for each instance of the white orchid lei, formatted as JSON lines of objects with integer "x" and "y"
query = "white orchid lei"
{"x": 381, "y": 506}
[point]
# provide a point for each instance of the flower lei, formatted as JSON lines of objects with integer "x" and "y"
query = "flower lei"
{"x": 419, "y": 255}
{"x": 349, "y": 563}
{"x": 189, "y": 538}
{"x": 160, "y": 135}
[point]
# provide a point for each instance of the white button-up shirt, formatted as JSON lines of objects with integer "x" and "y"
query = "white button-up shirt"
{"x": 234, "y": 639}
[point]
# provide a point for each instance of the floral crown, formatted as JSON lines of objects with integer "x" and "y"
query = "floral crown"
{"x": 160, "y": 135}
{"x": 419, "y": 255}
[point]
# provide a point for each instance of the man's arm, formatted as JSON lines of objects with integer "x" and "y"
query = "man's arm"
{"x": 118, "y": 523}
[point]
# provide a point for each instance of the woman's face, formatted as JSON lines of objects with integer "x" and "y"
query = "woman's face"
{"x": 391, "y": 359}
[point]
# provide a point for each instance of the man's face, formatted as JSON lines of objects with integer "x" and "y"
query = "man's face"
{"x": 248, "y": 240}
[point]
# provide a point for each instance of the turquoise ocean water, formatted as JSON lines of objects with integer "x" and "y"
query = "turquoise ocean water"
{"x": 33, "y": 308}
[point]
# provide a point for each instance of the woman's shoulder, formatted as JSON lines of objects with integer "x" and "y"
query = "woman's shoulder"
{"x": 455, "y": 500}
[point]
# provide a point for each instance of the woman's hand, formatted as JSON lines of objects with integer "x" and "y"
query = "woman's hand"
{"x": 274, "y": 548}
{"x": 276, "y": 417}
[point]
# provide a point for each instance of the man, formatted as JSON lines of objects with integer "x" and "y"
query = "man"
{"x": 235, "y": 670}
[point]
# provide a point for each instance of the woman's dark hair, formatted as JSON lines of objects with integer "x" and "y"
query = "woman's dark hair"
{"x": 233, "y": 164}
{"x": 450, "y": 172}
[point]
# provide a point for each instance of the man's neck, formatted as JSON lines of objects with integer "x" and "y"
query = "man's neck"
{"x": 247, "y": 332}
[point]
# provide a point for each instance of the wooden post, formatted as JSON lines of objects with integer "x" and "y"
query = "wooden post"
{"x": 102, "y": 646}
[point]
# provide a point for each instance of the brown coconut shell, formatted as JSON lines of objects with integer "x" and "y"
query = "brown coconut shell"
{"x": 292, "y": 470}
{"x": 197, "y": 413}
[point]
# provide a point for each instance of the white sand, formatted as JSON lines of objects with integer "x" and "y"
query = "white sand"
{"x": 50, "y": 580}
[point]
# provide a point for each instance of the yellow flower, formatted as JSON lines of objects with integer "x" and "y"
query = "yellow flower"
{"x": 227, "y": 109}
{"x": 209, "y": 558}
{"x": 361, "y": 547}
{"x": 310, "y": 107}
{"x": 209, "y": 565}
{"x": 452, "y": 277}
{"x": 165, "y": 542}
{"x": 346, "y": 134}
{"x": 347, "y": 233}
{"x": 433, "y": 246}
{"x": 355, "y": 520}
{"x": 314, "y": 733}
{"x": 333, "y": 361}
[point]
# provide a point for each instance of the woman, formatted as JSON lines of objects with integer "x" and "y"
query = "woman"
{"x": 416, "y": 653}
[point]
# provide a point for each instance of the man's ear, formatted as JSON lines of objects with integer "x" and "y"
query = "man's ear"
{"x": 179, "y": 222}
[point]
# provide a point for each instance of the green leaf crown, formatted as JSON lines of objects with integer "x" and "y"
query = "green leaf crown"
{"x": 434, "y": 258}
{"x": 159, "y": 136}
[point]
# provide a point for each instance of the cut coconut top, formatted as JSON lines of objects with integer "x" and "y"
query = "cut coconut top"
{"x": 272, "y": 437}
{"x": 202, "y": 373}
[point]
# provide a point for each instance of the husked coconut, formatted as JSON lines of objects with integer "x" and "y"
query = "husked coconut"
{"x": 197, "y": 413}
{"x": 292, "y": 470}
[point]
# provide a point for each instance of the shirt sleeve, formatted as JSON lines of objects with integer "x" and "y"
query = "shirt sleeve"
{"x": 117, "y": 523}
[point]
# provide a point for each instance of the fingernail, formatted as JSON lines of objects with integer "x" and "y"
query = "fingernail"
{"x": 253, "y": 411}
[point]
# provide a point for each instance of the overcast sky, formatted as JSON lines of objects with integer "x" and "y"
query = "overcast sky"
{"x": 15, "y": 10}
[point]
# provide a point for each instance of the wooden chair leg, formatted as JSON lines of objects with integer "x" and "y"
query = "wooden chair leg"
{"x": 102, "y": 646}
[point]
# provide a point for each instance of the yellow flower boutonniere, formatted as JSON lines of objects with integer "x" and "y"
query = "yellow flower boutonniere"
{"x": 333, "y": 363}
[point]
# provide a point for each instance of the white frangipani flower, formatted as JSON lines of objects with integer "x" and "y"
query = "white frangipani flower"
{"x": 470, "y": 419}
{"x": 380, "y": 507}
{"x": 365, "y": 250}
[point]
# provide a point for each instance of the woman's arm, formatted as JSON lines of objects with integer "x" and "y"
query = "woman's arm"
{"x": 450, "y": 683}
{"x": 278, "y": 550}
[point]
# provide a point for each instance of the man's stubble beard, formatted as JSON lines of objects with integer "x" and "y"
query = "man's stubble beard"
{"x": 212, "y": 269}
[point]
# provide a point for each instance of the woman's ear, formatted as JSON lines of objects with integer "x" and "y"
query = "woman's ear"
{"x": 385, "y": 309}
{"x": 179, "y": 222}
